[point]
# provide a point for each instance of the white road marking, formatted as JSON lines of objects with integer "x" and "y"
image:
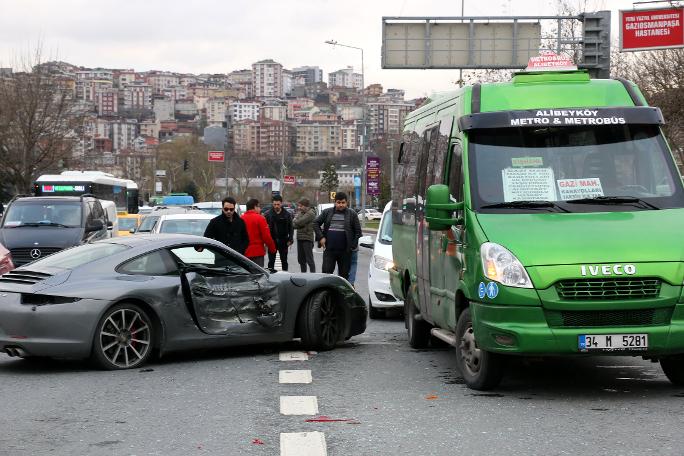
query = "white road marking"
{"x": 303, "y": 444}
{"x": 295, "y": 376}
{"x": 298, "y": 405}
{"x": 294, "y": 356}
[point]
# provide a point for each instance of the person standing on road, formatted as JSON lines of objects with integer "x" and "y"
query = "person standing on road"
{"x": 303, "y": 223}
{"x": 280, "y": 223}
{"x": 228, "y": 227}
{"x": 339, "y": 236}
{"x": 258, "y": 232}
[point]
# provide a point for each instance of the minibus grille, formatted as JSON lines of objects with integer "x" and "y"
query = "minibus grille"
{"x": 23, "y": 255}
{"x": 586, "y": 318}
{"x": 608, "y": 289}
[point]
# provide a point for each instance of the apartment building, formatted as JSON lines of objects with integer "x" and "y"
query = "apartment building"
{"x": 242, "y": 81}
{"x": 87, "y": 89}
{"x": 164, "y": 109}
{"x": 137, "y": 95}
{"x": 345, "y": 78}
{"x": 162, "y": 80}
{"x": 387, "y": 118}
{"x": 349, "y": 132}
{"x": 107, "y": 75}
{"x": 267, "y": 79}
{"x": 349, "y": 111}
{"x": 217, "y": 109}
{"x": 124, "y": 77}
{"x": 242, "y": 110}
{"x": 311, "y": 74}
{"x": 298, "y": 104}
{"x": 274, "y": 112}
{"x": 318, "y": 139}
{"x": 246, "y": 137}
{"x": 107, "y": 101}
{"x": 178, "y": 92}
{"x": 150, "y": 128}
{"x": 276, "y": 139}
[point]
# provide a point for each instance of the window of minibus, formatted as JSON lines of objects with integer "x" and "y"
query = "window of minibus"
{"x": 562, "y": 164}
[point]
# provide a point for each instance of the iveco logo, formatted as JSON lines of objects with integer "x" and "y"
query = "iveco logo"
{"x": 607, "y": 269}
{"x": 35, "y": 253}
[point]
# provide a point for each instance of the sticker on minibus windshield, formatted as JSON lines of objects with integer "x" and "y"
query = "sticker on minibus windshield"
{"x": 528, "y": 184}
{"x": 589, "y": 187}
{"x": 519, "y": 162}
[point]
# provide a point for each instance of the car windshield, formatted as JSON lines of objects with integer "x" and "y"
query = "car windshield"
{"x": 385, "y": 230}
{"x": 41, "y": 212}
{"x": 553, "y": 166}
{"x": 148, "y": 223}
{"x": 126, "y": 224}
{"x": 185, "y": 226}
{"x": 78, "y": 256}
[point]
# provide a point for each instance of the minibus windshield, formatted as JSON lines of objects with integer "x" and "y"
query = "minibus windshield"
{"x": 572, "y": 169}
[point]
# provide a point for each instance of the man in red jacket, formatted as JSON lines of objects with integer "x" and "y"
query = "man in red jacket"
{"x": 258, "y": 233}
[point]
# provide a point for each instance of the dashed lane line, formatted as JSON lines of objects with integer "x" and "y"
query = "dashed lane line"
{"x": 294, "y": 356}
{"x": 303, "y": 444}
{"x": 295, "y": 376}
{"x": 298, "y": 405}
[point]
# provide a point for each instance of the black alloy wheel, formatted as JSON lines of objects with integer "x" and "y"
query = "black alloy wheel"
{"x": 321, "y": 321}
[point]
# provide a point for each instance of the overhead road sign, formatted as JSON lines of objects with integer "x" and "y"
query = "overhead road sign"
{"x": 658, "y": 28}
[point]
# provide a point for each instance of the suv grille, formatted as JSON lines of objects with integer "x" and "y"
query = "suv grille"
{"x": 23, "y": 256}
{"x": 608, "y": 289}
{"x": 24, "y": 276}
{"x": 635, "y": 317}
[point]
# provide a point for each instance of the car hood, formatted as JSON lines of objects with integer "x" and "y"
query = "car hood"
{"x": 45, "y": 236}
{"x": 383, "y": 250}
{"x": 598, "y": 237}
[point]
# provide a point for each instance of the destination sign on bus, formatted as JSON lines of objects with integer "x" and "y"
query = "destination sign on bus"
{"x": 62, "y": 188}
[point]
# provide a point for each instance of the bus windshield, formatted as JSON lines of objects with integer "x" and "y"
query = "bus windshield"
{"x": 571, "y": 165}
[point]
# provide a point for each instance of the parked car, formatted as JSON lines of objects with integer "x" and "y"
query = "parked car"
{"x": 149, "y": 221}
{"x": 210, "y": 207}
{"x": 128, "y": 223}
{"x": 194, "y": 223}
{"x": 6, "y": 263}
{"x": 120, "y": 300}
{"x": 380, "y": 293}
{"x": 35, "y": 226}
{"x": 372, "y": 214}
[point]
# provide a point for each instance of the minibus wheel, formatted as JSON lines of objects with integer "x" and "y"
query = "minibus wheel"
{"x": 481, "y": 370}
{"x": 418, "y": 330}
{"x": 673, "y": 366}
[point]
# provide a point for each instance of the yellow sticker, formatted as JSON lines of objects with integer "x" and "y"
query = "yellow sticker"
{"x": 527, "y": 161}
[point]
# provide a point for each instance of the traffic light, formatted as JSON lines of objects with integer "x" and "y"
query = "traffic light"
{"x": 186, "y": 165}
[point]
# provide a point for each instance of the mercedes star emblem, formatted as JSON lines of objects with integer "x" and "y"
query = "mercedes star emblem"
{"x": 35, "y": 253}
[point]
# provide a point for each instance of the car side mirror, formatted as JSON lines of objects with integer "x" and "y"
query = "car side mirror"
{"x": 110, "y": 225}
{"x": 95, "y": 225}
{"x": 132, "y": 231}
{"x": 439, "y": 208}
{"x": 367, "y": 241}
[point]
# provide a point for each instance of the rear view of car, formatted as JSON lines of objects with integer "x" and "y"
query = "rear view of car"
{"x": 380, "y": 293}
{"x": 191, "y": 223}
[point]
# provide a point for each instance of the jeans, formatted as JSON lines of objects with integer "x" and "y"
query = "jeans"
{"x": 352, "y": 267}
{"x": 282, "y": 249}
{"x": 341, "y": 258}
{"x": 305, "y": 255}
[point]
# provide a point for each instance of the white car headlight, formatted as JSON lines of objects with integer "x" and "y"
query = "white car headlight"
{"x": 502, "y": 266}
{"x": 380, "y": 262}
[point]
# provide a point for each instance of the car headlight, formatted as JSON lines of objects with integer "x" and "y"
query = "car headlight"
{"x": 502, "y": 266}
{"x": 380, "y": 262}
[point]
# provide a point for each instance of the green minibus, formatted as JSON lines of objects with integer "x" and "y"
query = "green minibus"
{"x": 541, "y": 216}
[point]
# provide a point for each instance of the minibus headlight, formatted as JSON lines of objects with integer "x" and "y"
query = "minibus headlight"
{"x": 380, "y": 262}
{"x": 502, "y": 266}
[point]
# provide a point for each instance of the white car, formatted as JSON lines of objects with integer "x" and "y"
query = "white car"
{"x": 188, "y": 223}
{"x": 372, "y": 214}
{"x": 210, "y": 207}
{"x": 381, "y": 297}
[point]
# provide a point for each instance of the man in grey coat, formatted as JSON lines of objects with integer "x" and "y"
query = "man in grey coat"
{"x": 303, "y": 223}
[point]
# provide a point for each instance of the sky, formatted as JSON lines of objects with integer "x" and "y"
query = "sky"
{"x": 219, "y": 36}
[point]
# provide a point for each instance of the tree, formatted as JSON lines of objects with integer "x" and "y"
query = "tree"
{"x": 174, "y": 154}
{"x": 38, "y": 123}
{"x": 329, "y": 179}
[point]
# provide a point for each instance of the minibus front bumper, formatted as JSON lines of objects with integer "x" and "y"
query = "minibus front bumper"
{"x": 525, "y": 330}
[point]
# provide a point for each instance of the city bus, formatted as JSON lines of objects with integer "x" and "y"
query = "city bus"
{"x": 103, "y": 185}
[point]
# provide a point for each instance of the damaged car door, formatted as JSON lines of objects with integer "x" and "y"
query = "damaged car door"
{"x": 225, "y": 294}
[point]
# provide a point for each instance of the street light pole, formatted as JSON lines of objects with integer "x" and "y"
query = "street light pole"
{"x": 362, "y": 214}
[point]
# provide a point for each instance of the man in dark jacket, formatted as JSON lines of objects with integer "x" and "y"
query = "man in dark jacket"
{"x": 339, "y": 236}
{"x": 280, "y": 223}
{"x": 228, "y": 227}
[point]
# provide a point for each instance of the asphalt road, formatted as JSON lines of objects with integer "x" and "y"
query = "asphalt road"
{"x": 393, "y": 400}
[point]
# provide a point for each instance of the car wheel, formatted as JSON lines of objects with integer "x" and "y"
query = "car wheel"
{"x": 123, "y": 338}
{"x": 673, "y": 366}
{"x": 321, "y": 321}
{"x": 418, "y": 330}
{"x": 374, "y": 313}
{"x": 481, "y": 370}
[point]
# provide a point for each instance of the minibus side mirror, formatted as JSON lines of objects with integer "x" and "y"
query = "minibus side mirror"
{"x": 439, "y": 208}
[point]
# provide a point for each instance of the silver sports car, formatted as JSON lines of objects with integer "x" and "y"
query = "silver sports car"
{"x": 122, "y": 300}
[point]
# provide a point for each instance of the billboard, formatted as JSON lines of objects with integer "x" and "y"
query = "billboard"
{"x": 434, "y": 44}
{"x": 373, "y": 176}
{"x": 658, "y": 28}
{"x": 215, "y": 155}
{"x": 289, "y": 180}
